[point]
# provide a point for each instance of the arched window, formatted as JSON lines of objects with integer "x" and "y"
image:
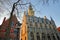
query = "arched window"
{"x": 54, "y": 37}
{"x": 40, "y": 25}
{"x": 48, "y": 37}
{"x": 36, "y": 24}
{"x": 38, "y": 36}
{"x": 43, "y": 36}
{"x": 30, "y": 23}
{"x": 58, "y": 37}
{"x": 32, "y": 36}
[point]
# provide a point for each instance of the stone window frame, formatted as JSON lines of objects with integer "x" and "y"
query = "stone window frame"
{"x": 38, "y": 36}
{"x": 32, "y": 35}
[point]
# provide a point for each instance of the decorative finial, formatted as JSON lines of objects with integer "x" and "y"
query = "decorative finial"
{"x": 45, "y": 17}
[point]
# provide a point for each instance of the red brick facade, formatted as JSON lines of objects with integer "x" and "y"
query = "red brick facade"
{"x": 5, "y": 25}
{"x": 58, "y": 29}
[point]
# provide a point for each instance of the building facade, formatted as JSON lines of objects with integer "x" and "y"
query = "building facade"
{"x": 36, "y": 28}
{"x": 14, "y": 28}
{"x": 58, "y": 29}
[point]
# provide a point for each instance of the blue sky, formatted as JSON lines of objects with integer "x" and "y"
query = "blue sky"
{"x": 41, "y": 10}
{"x": 52, "y": 10}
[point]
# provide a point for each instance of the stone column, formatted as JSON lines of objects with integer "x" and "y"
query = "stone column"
{"x": 51, "y": 37}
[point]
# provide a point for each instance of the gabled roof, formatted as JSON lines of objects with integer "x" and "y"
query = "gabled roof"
{"x": 6, "y": 22}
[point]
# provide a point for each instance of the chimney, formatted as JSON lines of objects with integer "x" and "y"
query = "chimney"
{"x": 4, "y": 19}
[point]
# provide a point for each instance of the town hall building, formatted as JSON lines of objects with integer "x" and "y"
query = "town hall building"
{"x": 37, "y": 28}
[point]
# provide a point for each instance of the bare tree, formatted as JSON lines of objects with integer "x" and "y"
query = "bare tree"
{"x": 13, "y": 8}
{"x": 8, "y": 29}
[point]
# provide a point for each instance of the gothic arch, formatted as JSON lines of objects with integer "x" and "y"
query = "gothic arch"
{"x": 38, "y": 36}
{"x": 53, "y": 36}
{"x": 43, "y": 36}
{"x": 48, "y": 36}
{"x": 58, "y": 37}
{"x": 32, "y": 35}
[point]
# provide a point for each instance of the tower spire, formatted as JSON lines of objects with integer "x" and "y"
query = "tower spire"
{"x": 51, "y": 19}
{"x": 30, "y": 10}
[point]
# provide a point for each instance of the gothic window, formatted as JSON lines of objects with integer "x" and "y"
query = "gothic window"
{"x": 49, "y": 26}
{"x": 33, "y": 20}
{"x": 38, "y": 20}
{"x": 54, "y": 37}
{"x": 42, "y": 21}
{"x": 58, "y": 37}
{"x": 41, "y": 25}
{"x": 46, "y": 21}
{"x": 45, "y": 26}
{"x": 43, "y": 36}
{"x": 32, "y": 36}
{"x": 36, "y": 24}
{"x": 38, "y": 36}
{"x": 48, "y": 37}
{"x": 50, "y": 22}
{"x": 30, "y": 23}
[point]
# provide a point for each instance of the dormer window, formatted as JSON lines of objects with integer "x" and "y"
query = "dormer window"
{"x": 12, "y": 24}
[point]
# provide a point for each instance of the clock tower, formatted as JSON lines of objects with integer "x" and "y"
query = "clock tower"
{"x": 30, "y": 11}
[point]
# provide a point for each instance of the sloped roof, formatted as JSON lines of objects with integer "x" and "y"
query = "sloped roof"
{"x": 6, "y": 22}
{"x": 58, "y": 29}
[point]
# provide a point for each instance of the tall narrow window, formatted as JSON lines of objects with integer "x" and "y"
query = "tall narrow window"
{"x": 42, "y": 20}
{"x": 36, "y": 24}
{"x": 41, "y": 25}
{"x": 48, "y": 37}
{"x": 49, "y": 26}
{"x": 58, "y": 37}
{"x": 45, "y": 26}
{"x": 46, "y": 21}
{"x": 54, "y": 37}
{"x": 30, "y": 23}
{"x": 32, "y": 36}
{"x": 43, "y": 36}
{"x": 38, "y": 36}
